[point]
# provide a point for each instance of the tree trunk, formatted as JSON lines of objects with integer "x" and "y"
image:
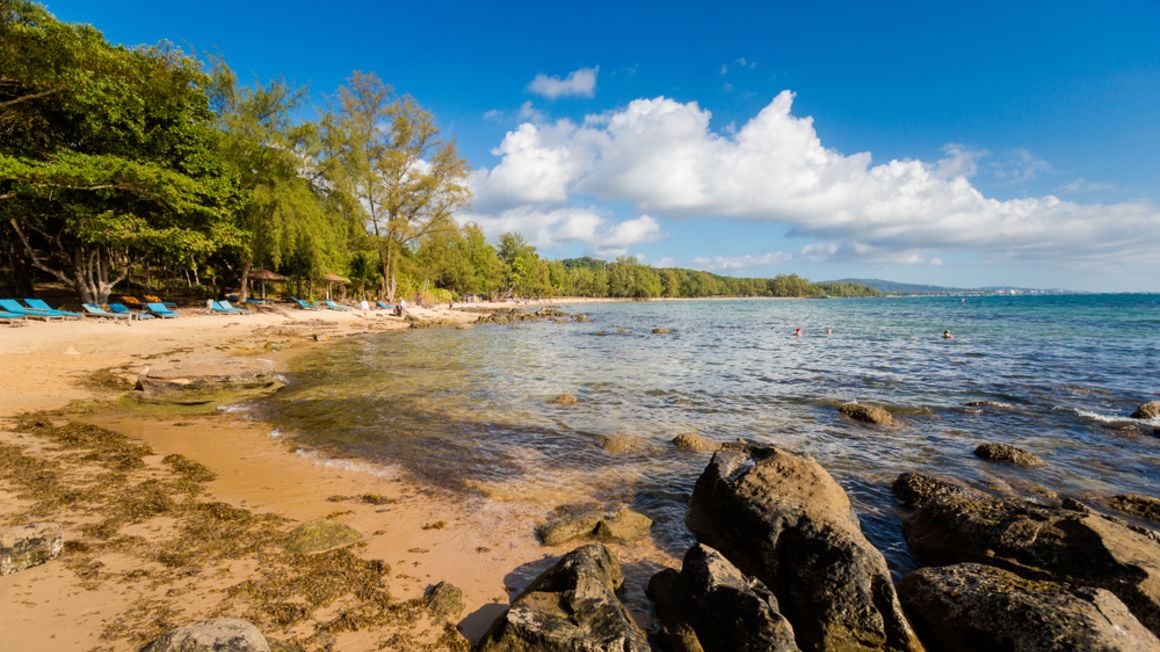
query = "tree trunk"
{"x": 19, "y": 281}
{"x": 244, "y": 292}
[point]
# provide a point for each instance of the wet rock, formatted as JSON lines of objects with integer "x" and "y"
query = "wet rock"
{"x": 784, "y": 520}
{"x": 570, "y": 522}
{"x": 572, "y": 606}
{"x": 1009, "y": 454}
{"x": 320, "y": 535}
{"x": 1040, "y": 543}
{"x": 1143, "y": 506}
{"x": 621, "y": 443}
{"x": 691, "y": 441}
{"x": 207, "y": 374}
{"x": 563, "y": 399}
{"x": 913, "y": 489}
{"x": 661, "y": 331}
{"x": 867, "y": 413}
{"x": 978, "y": 607}
{"x": 580, "y": 318}
{"x": 444, "y": 601}
{"x": 623, "y": 525}
{"x": 551, "y": 311}
{"x": 681, "y": 638}
{"x": 1149, "y": 410}
{"x": 25, "y": 546}
{"x": 726, "y": 610}
{"x": 217, "y": 635}
{"x": 997, "y": 405}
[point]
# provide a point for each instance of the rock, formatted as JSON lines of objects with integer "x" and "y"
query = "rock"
{"x": 217, "y": 635}
{"x": 580, "y": 318}
{"x": 726, "y": 610}
{"x": 661, "y": 331}
{"x": 784, "y": 520}
{"x": 444, "y": 601}
{"x": 320, "y": 535}
{"x": 207, "y": 374}
{"x": 570, "y": 522}
{"x": 1040, "y": 543}
{"x": 691, "y": 441}
{"x": 624, "y": 525}
{"x": 25, "y": 546}
{"x": 867, "y": 413}
{"x": 998, "y": 405}
{"x": 1009, "y": 454}
{"x": 564, "y": 399}
{"x": 571, "y": 606}
{"x": 978, "y": 607}
{"x": 913, "y": 489}
{"x": 1149, "y": 410}
{"x": 621, "y": 443}
{"x": 1137, "y": 505}
{"x": 681, "y": 638}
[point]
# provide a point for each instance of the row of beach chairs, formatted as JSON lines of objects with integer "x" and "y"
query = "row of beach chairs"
{"x": 330, "y": 305}
{"x": 12, "y": 310}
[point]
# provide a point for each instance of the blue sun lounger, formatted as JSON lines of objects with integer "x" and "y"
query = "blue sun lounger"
{"x": 305, "y": 305}
{"x": 334, "y": 306}
{"x": 10, "y": 316}
{"x": 120, "y": 309}
{"x": 13, "y": 306}
{"x": 39, "y": 304}
{"x": 384, "y": 305}
{"x": 93, "y": 310}
{"x": 220, "y": 307}
{"x": 229, "y": 306}
{"x": 161, "y": 311}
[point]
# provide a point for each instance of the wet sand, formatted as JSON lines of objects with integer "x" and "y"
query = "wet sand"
{"x": 425, "y": 535}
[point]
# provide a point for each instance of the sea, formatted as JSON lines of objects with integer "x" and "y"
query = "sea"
{"x": 470, "y": 411}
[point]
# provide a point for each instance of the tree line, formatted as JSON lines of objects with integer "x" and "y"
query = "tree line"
{"x": 147, "y": 166}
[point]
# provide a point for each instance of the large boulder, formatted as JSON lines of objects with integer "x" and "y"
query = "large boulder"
{"x": 784, "y": 520}
{"x": 1040, "y": 543}
{"x": 1149, "y": 410}
{"x": 727, "y": 611}
{"x": 867, "y": 413}
{"x": 1009, "y": 454}
{"x": 571, "y": 606}
{"x": 25, "y": 546}
{"x": 978, "y": 607}
{"x": 217, "y": 635}
{"x": 198, "y": 380}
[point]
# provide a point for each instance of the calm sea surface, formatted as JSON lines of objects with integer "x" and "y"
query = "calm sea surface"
{"x": 468, "y": 410}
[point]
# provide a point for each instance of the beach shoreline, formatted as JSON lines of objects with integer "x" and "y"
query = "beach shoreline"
{"x": 425, "y": 535}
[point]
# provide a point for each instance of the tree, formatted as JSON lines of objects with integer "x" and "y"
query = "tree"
{"x": 387, "y": 153}
{"x": 106, "y": 154}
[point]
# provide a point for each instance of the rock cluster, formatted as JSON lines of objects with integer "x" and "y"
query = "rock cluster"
{"x": 29, "y": 545}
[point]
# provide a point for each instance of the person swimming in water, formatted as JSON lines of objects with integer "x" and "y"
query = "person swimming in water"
{"x": 797, "y": 332}
{"x": 947, "y": 335}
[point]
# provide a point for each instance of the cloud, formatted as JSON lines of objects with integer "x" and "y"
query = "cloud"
{"x": 578, "y": 83}
{"x": 1020, "y": 167}
{"x": 738, "y": 263}
{"x": 549, "y": 227}
{"x": 1083, "y": 185}
{"x": 660, "y": 157}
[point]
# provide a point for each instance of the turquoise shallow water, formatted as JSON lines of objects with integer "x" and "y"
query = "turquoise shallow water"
{"x": 468, "y": 410}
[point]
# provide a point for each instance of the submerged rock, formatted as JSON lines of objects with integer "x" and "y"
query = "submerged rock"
{"x": 25, "y": 546}
{"x": 209, "y": 374}
{"x": 1149, "y": 410}
{"x": 621, "y": 443}
{"x": 1009, "y": 454}
{"x": 217, "y": 635}
{"x": 570, "y": 522}
{"x": 1040, "y": 543}
{"x": 784, "y": 520}
{"x": 662, "y": 331}
{"x": 444, "y": 600}
{"x": 571, "y": 606}
{"x": 563, "y": 399}
{"x": 691, "y": 441}
{"x": 726, "y": 610}
{"x": 867, "y": 413}
{"x": 997, "y": 405}
{"x": 979, "y": 607}
{"x": 1143, "y": 506}
{"x": 320, "y": 535}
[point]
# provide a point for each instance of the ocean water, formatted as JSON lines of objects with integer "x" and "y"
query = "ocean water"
{"x": 469, "y": 411}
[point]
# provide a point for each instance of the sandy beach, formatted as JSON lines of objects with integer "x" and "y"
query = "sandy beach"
{"x": 108, "y": 590}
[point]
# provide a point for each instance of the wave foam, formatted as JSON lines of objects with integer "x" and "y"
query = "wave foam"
{"x": 376, "y": 470}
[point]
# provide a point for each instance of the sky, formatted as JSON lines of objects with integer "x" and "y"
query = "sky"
{"x": 964, "y": 144}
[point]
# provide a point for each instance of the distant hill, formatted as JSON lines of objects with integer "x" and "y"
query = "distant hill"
{"x": 892, "y": 287}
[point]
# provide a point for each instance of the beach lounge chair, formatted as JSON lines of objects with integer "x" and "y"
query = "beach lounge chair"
{"x": 334, "y": 306}
{"x": 229, "y": 306}
{"x": 305, "y": 305}
{"x": 384, "y": 305}
{"x": 120, "y": 309}
{"x": 153, "y": 298}
{"x": 93, "y": 310}
{"x": 161, "y": 311}
{"x": 13, "y": 306}
{"x": 10, "y": 316}
{"x": 39, "y": 304}
{"x": 221, "y": 308}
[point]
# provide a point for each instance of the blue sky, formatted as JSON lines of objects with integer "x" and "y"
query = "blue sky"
{"x": 959, "y": 144}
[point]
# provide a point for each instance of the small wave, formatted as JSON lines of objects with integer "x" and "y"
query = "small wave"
{"x": 1115, "y": 419}
{"x": 376, "y": 470}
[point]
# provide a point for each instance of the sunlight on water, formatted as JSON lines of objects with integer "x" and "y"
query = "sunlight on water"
{"x": 470, "y": 411}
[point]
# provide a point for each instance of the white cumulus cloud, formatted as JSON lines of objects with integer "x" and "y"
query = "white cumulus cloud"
{"x": 578, "y": 83}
